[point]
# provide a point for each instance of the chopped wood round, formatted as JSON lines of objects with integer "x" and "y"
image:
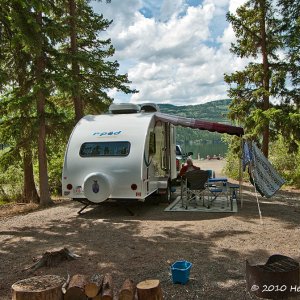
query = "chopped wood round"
{"x": 93, "y": 285}
{"x": 75, "y": 290}
{"x": 107, "y": 287}
{"x": 127, "y": 291}
{"x": 47, "y": 287}
{"x": 149, "y": 290}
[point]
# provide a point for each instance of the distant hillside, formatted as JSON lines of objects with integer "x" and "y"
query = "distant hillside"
{"x": 212, "y": 111}
{"x": 215, "y": 111}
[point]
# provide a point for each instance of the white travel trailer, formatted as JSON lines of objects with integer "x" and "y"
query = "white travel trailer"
{"x": 125, "y": 154}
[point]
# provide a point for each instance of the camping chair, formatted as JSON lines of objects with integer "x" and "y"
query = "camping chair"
{"x": 194, "y": 184}
{"x": 218, "y": 189}
{"x": 211, "y": 173}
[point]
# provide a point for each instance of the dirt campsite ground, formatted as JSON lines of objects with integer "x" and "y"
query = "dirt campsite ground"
{"x": 143, "y": 245}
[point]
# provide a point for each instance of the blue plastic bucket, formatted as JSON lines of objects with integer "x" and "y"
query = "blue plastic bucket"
{"x": 181, "y": 271}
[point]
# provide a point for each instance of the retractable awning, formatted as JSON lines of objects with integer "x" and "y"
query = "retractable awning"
{"x": 200, "y": 124}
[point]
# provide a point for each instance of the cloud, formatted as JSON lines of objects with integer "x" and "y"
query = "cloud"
{"x": 170, "y": 8}
{"x": 120, "y": 12}
{"x": 234, "y": 4}
{"x": 171, "y": 51}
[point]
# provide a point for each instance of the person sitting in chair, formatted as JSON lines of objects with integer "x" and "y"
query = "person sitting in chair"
{"x": 188, "y": 166}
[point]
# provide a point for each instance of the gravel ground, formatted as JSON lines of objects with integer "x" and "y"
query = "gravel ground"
{"x": 142, "y": 246}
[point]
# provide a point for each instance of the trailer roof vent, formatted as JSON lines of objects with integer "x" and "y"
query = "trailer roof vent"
{"x": 124, "y": 108}
{"x": 150, "y": 107}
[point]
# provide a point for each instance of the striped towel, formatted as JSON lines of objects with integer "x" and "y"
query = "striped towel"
{"x": 266, "y": 178}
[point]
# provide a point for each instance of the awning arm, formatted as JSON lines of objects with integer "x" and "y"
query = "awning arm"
{"x": 200, "y": 124}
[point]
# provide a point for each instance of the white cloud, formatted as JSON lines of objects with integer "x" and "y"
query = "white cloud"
{"x": 121, "y": 12}
{"x": 172, "y": 56}
{"x": 234, "y": 4}
{"x": 170, "y": 8}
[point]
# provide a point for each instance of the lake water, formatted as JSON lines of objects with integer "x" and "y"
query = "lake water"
{"x": 206, "y": 149}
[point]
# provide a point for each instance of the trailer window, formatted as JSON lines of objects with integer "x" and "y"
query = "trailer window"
{"x": 152, "y": 144}
{"x": 95, "y": 149}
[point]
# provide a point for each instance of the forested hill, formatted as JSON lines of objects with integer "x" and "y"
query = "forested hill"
{"x": 215, "y": 111}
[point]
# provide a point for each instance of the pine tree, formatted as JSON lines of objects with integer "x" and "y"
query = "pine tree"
{"x": 16, "y": 121}
{"x": 258, "y": 37}
{"x": 290, "y": 10}
{"x": 289, "y": 119}
{"x": 28, "y": 54}
{"x": 89, "y": 72}
{"x": 40, "y": 74}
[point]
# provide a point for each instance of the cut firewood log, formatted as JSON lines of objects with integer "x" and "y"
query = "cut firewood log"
{"x": 53, "y": 258}
{"x": 107, "y": 288}
{"x": 149, "y": 290}
{"x": 93, "y": 285}
{"x": 47, "y": 287}
{"x": 127, "y": 291}
{"x": 75, "y": 290}
{"x": 98, "y": 297}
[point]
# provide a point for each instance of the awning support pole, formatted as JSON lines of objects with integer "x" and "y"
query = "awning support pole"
{"x": 241, "y": 173}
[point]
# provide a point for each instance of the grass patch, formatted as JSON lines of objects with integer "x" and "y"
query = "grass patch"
{"x": 3, "y": 201}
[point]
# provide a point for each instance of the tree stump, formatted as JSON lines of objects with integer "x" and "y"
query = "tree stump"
{"x": 75, "y": 290}
{"x": 53, "y": 258}
{"x": 93, "y": 285}
{"x": 149, "y": 290}
{"x": 127, "y": 291}
{"x": 47, "y": 287}
{"x": 107, "y": 288}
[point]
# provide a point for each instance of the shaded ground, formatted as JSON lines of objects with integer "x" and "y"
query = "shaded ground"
{"x": 143, "y": 246}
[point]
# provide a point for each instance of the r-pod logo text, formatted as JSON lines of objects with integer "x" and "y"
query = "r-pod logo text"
{"x": 107, "y": 133}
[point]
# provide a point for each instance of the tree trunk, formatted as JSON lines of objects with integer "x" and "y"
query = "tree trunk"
{"x": 266, "y": 77}
{"x": 41, "y": 102}
{"x": 149, "y": 290}
{"x": 47, "y": 287}
{"x": 78, "y": 104}
{"x": 75, "y": 289}
{"x": 127, "y": 291}
{"x": 30, "y": 193}
{"x": 29, "y": 190}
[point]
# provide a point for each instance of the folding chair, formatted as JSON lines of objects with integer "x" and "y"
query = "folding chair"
{"x": 194, "y": 184}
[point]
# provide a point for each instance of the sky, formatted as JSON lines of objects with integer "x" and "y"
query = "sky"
{"x": 174, "y": 51}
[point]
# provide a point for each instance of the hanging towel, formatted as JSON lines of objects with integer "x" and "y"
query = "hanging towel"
{"x": 247, "y": 155}
{"x": 266, "y": 178}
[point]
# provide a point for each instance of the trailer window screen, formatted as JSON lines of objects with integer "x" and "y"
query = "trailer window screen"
{"x": 152, "y": 144}
{"x": 95, "y": 149}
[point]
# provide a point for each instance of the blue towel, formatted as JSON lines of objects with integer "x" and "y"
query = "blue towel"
{"x": 247, "y": 155}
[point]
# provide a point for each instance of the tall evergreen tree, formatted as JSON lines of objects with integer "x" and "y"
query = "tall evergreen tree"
{"x": 75, "y": 73}
{"x": 40, "y": 67}
{"x": 40, "y": 74}
{"x": 89, "y": 71}
{"x": 15, "y": 110}
{"x": 290, "y": 121}
{"x": 27, "y": 62}
{"x": 258, "y": 37}
{"x": 290, "y": 10}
